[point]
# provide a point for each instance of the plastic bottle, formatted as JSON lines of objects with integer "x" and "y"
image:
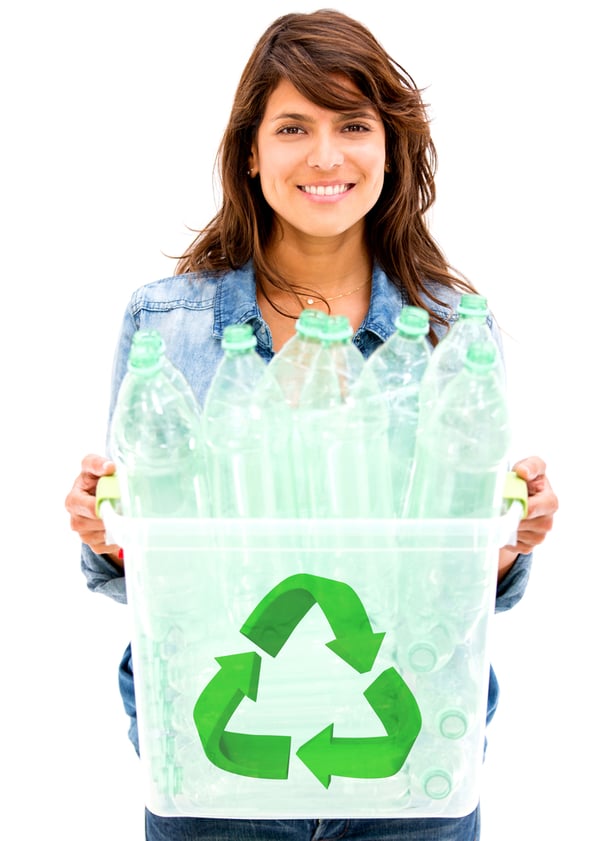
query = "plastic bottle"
{"x": 426, "y": 641}
{"x": 398, "y": 365}
{"x": 436, "y": 770}
{"x": 246, "y": 433}
{"x": 448, "y": 356}
{"x": 291, "y": 364}
{"x": 342, "y": 432}
{"x": 450, "y": 699}
{"x": 155, "y": 439}
{"x": 289, "y": 368}
{"x": 462, "y": 447}
{"x": 152, "y": 338}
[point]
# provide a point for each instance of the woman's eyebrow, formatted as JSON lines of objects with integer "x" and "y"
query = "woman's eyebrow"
{"x": 292, "y": 116}
{"x": 363, "y": 114}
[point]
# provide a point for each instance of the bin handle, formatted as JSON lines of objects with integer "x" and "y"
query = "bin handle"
{"x": 108, "y": 493}
{"x": 107, "y": 490}
{"x": 515, "y": 490}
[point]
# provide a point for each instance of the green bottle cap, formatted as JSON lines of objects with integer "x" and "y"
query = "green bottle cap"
{"x": 472, "y": 306}
{"x": 481, "y": 357}
{"x": 238, "y": 337}
{"x": 412, "y": 321}
{"x": 453, "y": 723}
{"x": 337, "y": 328}
{"x": 149, "y": 337}
{"x": 310, "y": 323}
{"x": 146, "y": 353}
{"x": 437, "y": 783}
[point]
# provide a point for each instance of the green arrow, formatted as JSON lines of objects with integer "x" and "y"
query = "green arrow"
{"x": 240, "y": 753}
{"x": 274, "y": 619}
{"x": 373, "y": 756}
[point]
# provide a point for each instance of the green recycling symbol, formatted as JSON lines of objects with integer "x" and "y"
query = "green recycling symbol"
{"x": 269, "y": 625}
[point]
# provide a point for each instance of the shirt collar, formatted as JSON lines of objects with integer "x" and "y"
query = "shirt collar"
{"x": 384, "y": 307}
{"x": 235, "y": 303}
{"x": 235, "y": 299}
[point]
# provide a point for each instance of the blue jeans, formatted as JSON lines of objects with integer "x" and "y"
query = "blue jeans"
{"x": 382, "y": 829}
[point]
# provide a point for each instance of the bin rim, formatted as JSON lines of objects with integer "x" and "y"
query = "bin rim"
{"x": 121, "y": 530}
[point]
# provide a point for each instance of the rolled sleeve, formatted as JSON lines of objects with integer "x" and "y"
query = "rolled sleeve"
{"x": 512, "y": 587}
{"x": 102, "y": 575}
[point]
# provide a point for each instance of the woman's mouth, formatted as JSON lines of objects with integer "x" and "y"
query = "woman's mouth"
{"x": 328, "y": 190}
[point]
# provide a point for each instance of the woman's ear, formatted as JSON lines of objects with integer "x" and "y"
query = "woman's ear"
{"x": 252, "y": 165}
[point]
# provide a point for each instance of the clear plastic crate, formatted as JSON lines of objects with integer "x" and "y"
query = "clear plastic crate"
{"x": 322, "y": 668}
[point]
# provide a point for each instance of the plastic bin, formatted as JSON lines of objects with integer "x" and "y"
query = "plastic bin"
{"x": 322, "y": 668}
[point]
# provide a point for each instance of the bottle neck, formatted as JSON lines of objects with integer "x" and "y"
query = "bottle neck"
{"x": 230, "y": 353}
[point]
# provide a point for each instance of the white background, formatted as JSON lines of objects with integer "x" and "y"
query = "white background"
{"x": 112, "y": 113}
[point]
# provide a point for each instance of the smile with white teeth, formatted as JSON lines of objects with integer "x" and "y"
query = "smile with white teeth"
{"x": 330, "y": 190}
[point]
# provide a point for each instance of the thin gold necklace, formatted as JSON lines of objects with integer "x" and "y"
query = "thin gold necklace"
{"x": 311, "y": 301}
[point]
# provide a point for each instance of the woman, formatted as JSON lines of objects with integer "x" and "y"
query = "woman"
{"x": 327, "y": 168}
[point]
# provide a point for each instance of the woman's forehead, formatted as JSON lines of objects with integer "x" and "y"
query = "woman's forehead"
{"x": 288, "y": 98}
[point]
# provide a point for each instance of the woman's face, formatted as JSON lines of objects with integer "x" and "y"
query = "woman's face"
{"x": 321, "y": 171}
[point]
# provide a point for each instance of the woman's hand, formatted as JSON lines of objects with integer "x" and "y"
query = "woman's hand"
{"x": 81, "y": 505}
{"x": 542, "y": 504}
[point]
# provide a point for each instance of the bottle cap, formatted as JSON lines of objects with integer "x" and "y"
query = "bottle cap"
{"x": 481, "y": 357}
{"x": 453, "y": 723}
{"x": 472, "y": 306}
{"x": 310, "y": 323}
{"x": 150, "y": 337}
{"x": 337, "y": 328}
{"x": 422, "y": 657}
{"x": 412, "y": 321}
{"x": 238, "y": 337}
{"x": 437, "y": 783}
{"x": 145, "y": 354}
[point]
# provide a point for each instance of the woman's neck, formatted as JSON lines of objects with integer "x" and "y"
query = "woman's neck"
{"x": 328, "y": 268}
{"x": 334, "y": 277}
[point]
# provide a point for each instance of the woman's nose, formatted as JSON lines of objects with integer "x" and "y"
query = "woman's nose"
{"x": 325, "y": 154}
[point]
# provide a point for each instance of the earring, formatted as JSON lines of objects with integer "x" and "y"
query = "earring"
{"x": 250, "y": 172}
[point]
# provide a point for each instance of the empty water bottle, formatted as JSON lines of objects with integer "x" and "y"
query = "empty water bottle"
{"x": 342, "y": 432}
{"x": 155, "y": 439}
{"x": 398, "y": 366}
{"x": 462, "y": 445}
{"x": 451, "y": 699}
{"x": 291, "y": 364}
{"x": 448, "y": 356}
{"x": 435, "y": 771}
{"x": 246, "y": 432}
{"x": 153, "y": 339}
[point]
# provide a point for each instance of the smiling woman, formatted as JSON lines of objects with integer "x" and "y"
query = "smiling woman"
{"x": 321, "y": 171}
{"x": 327, "y": 168}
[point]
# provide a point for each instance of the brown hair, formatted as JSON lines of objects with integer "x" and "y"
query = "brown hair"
{"x": 309, "y": 50}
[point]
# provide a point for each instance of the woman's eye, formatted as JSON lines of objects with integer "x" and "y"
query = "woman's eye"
{"x": 356, "y": 127}
{"x": 290, "y": 130}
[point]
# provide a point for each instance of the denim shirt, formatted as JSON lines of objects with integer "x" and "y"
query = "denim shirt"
{"x": 191, "y": 312}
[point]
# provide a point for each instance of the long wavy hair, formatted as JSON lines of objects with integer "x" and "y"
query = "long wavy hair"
{"x": 311, "y": 51}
